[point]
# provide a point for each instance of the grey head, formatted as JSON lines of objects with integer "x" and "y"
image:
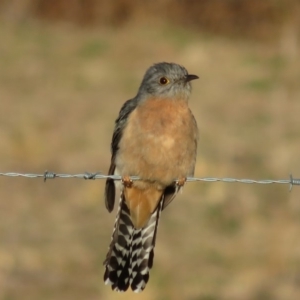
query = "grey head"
{"x": 168, "y": 80}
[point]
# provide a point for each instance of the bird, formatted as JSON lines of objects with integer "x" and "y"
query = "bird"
{"x": 155, "y": 138}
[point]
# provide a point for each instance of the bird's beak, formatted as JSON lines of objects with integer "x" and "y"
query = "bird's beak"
{"x": 190, "y": 77}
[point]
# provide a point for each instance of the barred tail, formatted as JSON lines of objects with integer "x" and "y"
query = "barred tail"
{"x": 131, "y": 251}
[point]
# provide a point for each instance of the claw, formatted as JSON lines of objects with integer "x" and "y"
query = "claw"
{"x": 180, "y": 182}
{"x": 127, "y": 182}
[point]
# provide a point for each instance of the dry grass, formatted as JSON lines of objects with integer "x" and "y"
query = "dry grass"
{"x": 61, "y": 89}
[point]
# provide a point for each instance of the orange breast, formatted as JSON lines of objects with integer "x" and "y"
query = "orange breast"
{"x": 159, "y": 142}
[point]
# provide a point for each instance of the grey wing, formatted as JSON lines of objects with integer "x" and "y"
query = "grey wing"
{"x": 169, "y": 194}
{"x": 110, "y": 190}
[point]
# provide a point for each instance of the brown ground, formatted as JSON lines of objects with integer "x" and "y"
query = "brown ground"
{"x": 61, "y": 88}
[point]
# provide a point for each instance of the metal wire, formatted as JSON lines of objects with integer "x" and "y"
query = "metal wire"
{"x": 98, "y": 175}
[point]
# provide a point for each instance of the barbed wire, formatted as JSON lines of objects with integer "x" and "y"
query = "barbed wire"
{"x": 98, "y": 175}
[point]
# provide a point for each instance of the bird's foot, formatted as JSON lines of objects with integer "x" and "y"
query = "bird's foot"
{"x": 127, "y": 181}
{"x": 180, "y": 182}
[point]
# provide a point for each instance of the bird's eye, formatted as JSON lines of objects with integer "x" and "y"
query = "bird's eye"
{"x": 164, "y": 80}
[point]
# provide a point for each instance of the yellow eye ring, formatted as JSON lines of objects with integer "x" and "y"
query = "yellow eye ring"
{"x": 164, "y": 80}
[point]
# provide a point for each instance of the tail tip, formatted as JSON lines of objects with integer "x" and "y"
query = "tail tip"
{"x": 136, "y": 288}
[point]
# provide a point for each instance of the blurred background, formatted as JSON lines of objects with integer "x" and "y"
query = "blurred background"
{"x": 66, "y": 67}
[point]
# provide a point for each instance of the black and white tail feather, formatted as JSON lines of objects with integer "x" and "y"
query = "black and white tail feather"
{"x": 131, "y": 251}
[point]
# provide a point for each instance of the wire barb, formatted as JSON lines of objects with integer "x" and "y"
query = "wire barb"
{"x": 90, "y": 175}
{"x": 293, "y": 181}
{"x": 49, "y": 175}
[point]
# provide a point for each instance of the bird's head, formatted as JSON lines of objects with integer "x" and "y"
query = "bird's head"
{"x": 166, "y": 80}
